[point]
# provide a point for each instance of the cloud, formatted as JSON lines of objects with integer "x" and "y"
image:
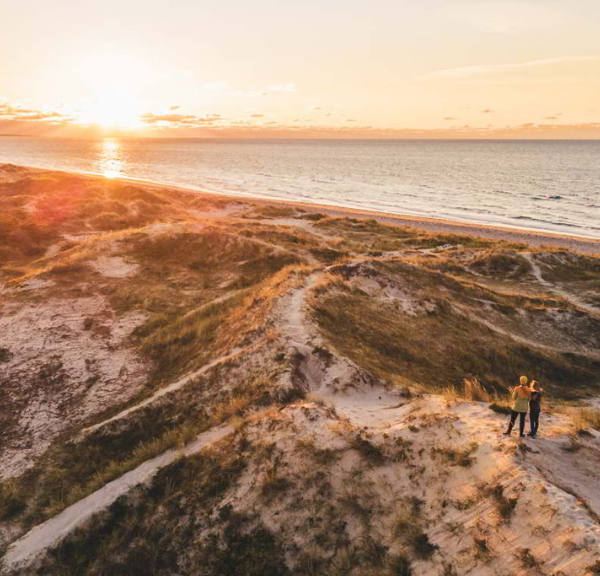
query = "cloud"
{"x": 213, "y": 125}
{"x": 15, "y": 119}
{"x": 10, "y": 112}
{"x": 180, "y": 120}
{"x": 243, "y": 129}
{"x": 468, "y": 71}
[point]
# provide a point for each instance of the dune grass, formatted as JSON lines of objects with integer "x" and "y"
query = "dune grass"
{"x": 69, "y": 472}
{"x": 439, "y": 348}
{"x": 584, "y": 418}
{"x": 209, "y": 287}
{"x": 154, "y": 525}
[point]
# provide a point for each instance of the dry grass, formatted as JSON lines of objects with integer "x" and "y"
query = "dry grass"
{"x": 323, "y": 456}
{"x": 441, "y": 347}
{"x": 471, "y": 389}
{"x": 584, "y": 418}
{"x": 316, "y": 399}
{"x": 504, "y": 505}
{"x": 455, "y": 456}
{"x": 407, "y": 530}
{"x": 407, "y": 348}
{"x": 181, "y": 341}
{"x": 256, "y": 392}
{"x": 274, "y": 484}
{"x": 12, "y": 499}
{"x": 69, "y": 473}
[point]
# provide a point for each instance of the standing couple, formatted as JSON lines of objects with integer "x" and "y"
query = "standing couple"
{"x": 527, "y": 397}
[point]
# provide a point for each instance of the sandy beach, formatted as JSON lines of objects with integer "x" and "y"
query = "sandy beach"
{"x": 533, "y": 237}
{"x": 435, "y": 225}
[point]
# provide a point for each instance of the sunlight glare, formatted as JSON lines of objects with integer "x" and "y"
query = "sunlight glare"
{"x": 111, "y": 158}
{"x": 112, "y": 108}
{"x": 115, "y": 80}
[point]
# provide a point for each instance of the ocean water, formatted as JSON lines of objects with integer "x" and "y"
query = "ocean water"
{"x": 539, "y": 185}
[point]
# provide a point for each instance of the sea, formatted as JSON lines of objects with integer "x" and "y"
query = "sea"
{"x": 535, "y": 185}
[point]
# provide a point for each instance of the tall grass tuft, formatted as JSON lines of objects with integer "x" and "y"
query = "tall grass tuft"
{"x": 472, "y": 389}
{"x": 584, "y": 418}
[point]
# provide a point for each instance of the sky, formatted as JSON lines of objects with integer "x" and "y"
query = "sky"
{"x": 310, "y": 68}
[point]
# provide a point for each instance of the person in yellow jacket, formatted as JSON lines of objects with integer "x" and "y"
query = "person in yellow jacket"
{"x": 520, "y": 395}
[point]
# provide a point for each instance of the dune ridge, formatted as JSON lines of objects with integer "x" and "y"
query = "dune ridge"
{"x": 313, "y": 392}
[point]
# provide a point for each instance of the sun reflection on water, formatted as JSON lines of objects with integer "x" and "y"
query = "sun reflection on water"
{"x": 111, "y": 161}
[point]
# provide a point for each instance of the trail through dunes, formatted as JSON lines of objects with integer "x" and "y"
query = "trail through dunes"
{"x": 177, "y": 385}
{"x": 24, "y": 551}
{"x": 569, "y": 296}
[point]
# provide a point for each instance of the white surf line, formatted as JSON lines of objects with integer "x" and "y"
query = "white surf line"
{"x": 24, "y": 551}
{"x": 170, "y": 388}
{"x": 537, "y": 272}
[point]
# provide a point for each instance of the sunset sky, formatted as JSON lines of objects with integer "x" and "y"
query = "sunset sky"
{"x": 330, "y": 68}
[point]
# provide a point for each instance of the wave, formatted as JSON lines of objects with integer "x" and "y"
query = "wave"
{"x": 560, "y": 224}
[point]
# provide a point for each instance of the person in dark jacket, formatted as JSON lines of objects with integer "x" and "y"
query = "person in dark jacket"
{"x": 535, "y": 407}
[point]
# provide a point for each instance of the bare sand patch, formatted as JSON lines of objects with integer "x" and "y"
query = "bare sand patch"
{"x": 114, "y": 267}
{"x": 68, "y": 359}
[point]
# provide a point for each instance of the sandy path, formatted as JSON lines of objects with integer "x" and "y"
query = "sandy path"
{"x": 526, "y": 341}
{"x": 22, "y": 552}
{"x": 576, "y": 301}
{"x": 305, "y": 225}
{"x": 328, "y": 378}
{"x": 177, "y": 385}
{"x": 296, "y": 324}
{"x": 380, "y": 411}
{"x": 374, "y": 409}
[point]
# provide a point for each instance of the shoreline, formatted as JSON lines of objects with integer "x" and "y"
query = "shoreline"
{"x": 427, "y": 223}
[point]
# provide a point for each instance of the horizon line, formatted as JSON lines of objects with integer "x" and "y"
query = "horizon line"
{"x": 321, "y": 138}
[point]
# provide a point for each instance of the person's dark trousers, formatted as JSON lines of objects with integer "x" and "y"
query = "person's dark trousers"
{"x": 513, "y": 419}
{"x": 534, "y": 419}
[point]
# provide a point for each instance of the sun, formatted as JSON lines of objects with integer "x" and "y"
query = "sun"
{"x": 113, "y": 83}
{"x": 112, "y": 108}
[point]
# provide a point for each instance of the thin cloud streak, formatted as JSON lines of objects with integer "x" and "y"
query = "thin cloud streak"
{"x": 468, "y": 71}
{"x": 17, "y": 120}
{"x": 176, "y": 120}
{"x": 189, "y": 126}
{"x": 16, "y": 113}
